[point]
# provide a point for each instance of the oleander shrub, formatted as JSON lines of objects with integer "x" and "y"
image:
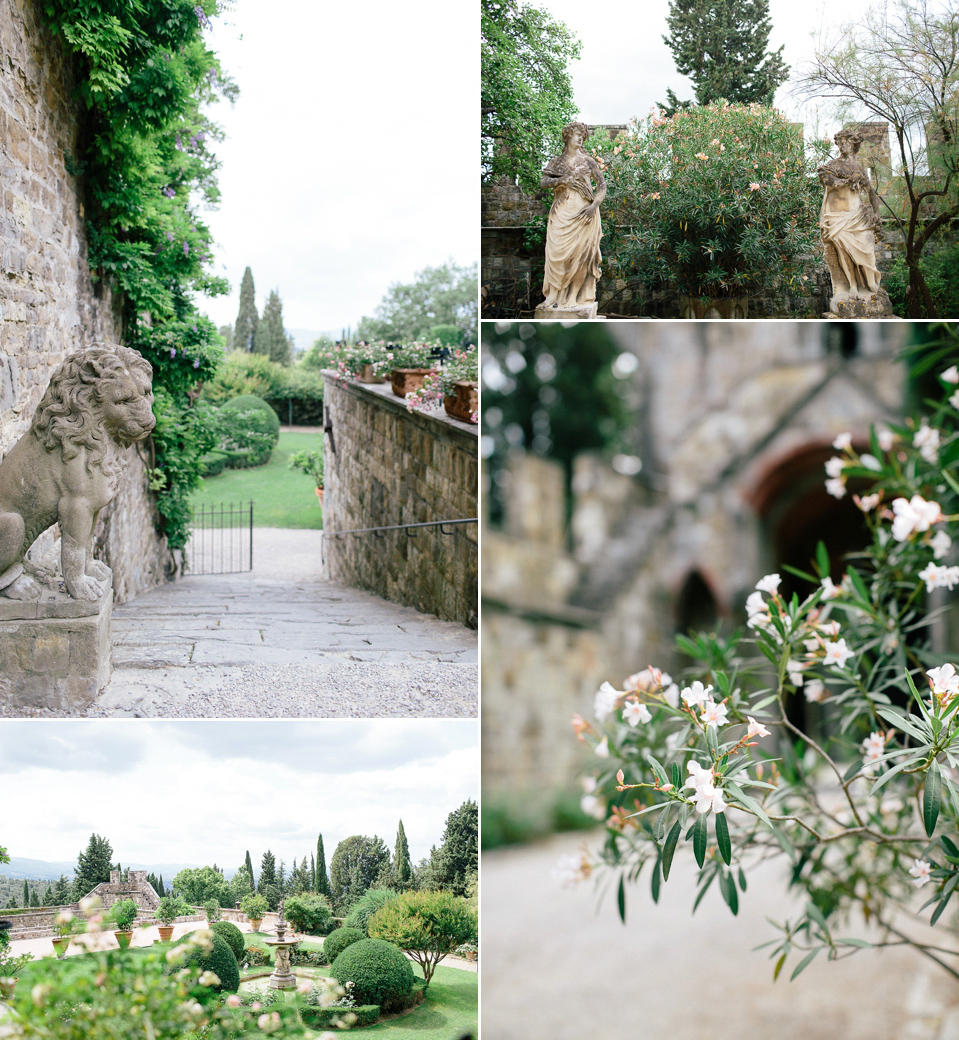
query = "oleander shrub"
{"x": 232, "y": 935}
{"x": 367, "y": 905}
{"x": 379, "y": 972}
{"x": 220, "y": 960}
{"x": 310, "y": 913}
{"x": 255, "y": 955}
{"x": 335, "y": 943}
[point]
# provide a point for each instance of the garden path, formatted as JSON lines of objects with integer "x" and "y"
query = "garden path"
{"x": 280, "y": 641}
{"x": 559, "y": 965}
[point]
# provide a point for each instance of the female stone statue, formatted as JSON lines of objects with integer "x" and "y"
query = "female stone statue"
{"x": 848, "y": 223}
{"x": 574, "y": 229}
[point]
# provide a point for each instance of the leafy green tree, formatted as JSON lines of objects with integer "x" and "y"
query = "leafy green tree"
{"x": 313, "y": 358}
{"x": 197, "y": 885}
{"x": 93, "y": 866}
{"x": 444, "y": 295}
{"x": 355, "y": 866}
{"x": 301, "y": 879}
{"x": 526, "y": 93}
{"x": 11, "y": 903}
{"x": 402, "y": 867}
{"x": 226, "y": 331}
{"x": 271, "y": 338}
{"x": 50, "y": 896}
{"x": 241, "y": 885}
{"x": 426, "y": 925}
{"x": 63, "y": 892}
{"x": 721, "y": 46}
{"x": 458, "y": 859}
{"x": 321, "y": 880}
{"x": 268, "y": 885}
{"x": 247, "y": 319}
{"x": 34, "y": 898}
{"x": 900, "y": 63}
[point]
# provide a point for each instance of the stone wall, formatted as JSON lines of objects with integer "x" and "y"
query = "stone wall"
{"x": 733, "y": 422}
{"x": 385, "y": 465}
{"x": 49, "y": 305}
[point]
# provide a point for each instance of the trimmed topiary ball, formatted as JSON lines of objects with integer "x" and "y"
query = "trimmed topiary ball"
{"x": 336, "y": 942}
{"x": 232, "y": 935}
{"x": 221, "y": 960}
{"x": 250, "y": 402}
{"x": 379, "y": 972}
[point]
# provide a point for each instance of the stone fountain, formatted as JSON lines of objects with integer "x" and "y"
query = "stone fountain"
{"x": 282, "y": 977}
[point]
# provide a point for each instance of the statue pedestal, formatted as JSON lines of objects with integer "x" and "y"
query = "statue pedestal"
{"x": 587, "y": 312}
{"x": 876, "y": 305}
{"x": 55, "y": 652}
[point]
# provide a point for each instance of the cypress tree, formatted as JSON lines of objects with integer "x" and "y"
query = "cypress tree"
{"x": 402, "y": 868}
{"x": 34, "y": 898}
{"x": 322, "y": 878}
{"x": 312, "y": 872}
{"x": 26, "y": 894}
{"x": 271, "y": 337}
{"x": 93, "y": 866}
{"x": 721, "y": 46}
{"x": 245, "y": 329}
{"x": 249, "y": 867}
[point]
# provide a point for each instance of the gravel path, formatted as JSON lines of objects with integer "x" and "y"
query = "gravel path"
{"x": 281, "y": 642}
{"x": 559, "y": 965}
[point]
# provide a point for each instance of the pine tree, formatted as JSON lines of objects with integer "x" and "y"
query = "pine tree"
{"x": 402, "y": 868}
{"x": 721, "y": 46}
{"x": 245, "y": 329}
{"x": 62, "y": 891}
{"x": 271, "y": 337}
{"x": 457, "y": 860}
{"x": 50, "y": 896}
{"x": 93, "y": 866}
{"x": 248, "y": 863}
{"x": 34, "y": 898}
{"x": 321, "y": 878}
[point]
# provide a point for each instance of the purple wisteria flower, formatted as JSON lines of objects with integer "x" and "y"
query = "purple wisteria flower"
{"x": 196, "y": 362}
{"x": 172, "y": 352}
{"x": 169, "y": 192}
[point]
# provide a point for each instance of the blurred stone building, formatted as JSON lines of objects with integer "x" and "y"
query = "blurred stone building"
{"x": 735, "y": 422}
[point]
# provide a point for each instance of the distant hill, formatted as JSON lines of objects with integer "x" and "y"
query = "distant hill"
{"x": 43, "y": 870}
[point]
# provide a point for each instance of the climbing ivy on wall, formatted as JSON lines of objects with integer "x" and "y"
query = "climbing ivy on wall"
{"x": 144, "y": 76}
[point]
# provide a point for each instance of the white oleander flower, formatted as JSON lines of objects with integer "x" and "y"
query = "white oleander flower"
{"x": 921, "y": 871}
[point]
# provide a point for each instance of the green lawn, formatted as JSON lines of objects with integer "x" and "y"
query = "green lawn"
{"x": 281, "y": 497}
{"x": 451, "y": 1009}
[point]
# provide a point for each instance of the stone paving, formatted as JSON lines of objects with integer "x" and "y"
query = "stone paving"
{"x": 279, "y": 641}
{"x": 559, "y": 965}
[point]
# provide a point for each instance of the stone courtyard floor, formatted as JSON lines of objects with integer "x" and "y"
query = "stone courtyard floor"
{"x": 559, "y": 965}
{"x": 281, "y": 642}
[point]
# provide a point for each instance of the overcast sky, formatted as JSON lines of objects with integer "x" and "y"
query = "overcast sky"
{"x": 205, "y": 792}
{"x": 624, "y": 67}
{"x": 350, "y": 159}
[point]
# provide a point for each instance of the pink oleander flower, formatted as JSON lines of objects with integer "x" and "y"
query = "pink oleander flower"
{"x": 769, "y": 583}
{"x": 816, "y": 691}
{"x": 605, "y": 700}
{"x": 714, "y": 714}
{"x": 829, "y": 589}
{"x": 634, "y": 713}
{"x": 921, "y": 871}
{"x": 602, "y": 748}
{"x": 873, "y": 747}
{"x": 886, "y": 439}
{"x": 867, "y": 502}
{"x": 842, "y": 441}
{"x": 951, "y": 375}
{"x": 927, "y": 441}
{"x": 938, "y": 577}
{"x": 913, "y": 516}
{"x": 940, "y": 543}
{"x": 702, "y": 155}
{"x": 756, "y": 729}
{"x": 835, "y": 466}
{"x": 754, "y": 186}
{"x": 836, "y": 487}
{"x": 837, "y": 653}
{"x": 944, "y": 681}
{"x": 696, "y": 694}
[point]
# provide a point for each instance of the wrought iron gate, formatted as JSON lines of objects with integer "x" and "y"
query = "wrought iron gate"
{"x": 221, "y": 539}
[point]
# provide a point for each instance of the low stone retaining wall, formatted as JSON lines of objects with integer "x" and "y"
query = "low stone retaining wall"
{"x": 385, "y": 465}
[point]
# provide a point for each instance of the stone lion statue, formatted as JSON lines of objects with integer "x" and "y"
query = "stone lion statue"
{"x": 67, "y": 466}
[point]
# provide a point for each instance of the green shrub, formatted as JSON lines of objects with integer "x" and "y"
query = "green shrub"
{"x": 379, "y": 972}
{"x": 367, "y": 905}
{"x": 254, "y": 906}
{"x": 212, "y": 910}
{"x": 255, "y": 955}
{"x": 248, "y": 430}
{"x": 240, "y": 373}
{"x": 232, "y": 935}
{"x": 220, "y": 960}
{"x": 317, "y": 1017}
{"x": 123, "y": 914}
{"x": 312, "y": 958}
{"x": 214, "y": 463}
{"x": 335, "y": 943}
{"x": 309, "y": 913}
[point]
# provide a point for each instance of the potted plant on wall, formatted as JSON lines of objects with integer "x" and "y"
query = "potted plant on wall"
{"x": 454, "y": 386}
{"x": 123, "y": 915}
{"x": 310, "y": 463}
{"x": 169, "y": 909}
{"x": 412, "y": 363}
{"x": 62, "y": 929}
{"x": 254, "y": 906}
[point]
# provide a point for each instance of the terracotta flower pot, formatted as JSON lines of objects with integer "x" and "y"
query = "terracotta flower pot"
{"x": 463, "y": 404}
{"x": 123, "y": 939}
{"x": 319, "y": 495}
{"x": 166, "y": 932}
{"x": 255, "y": 923}
{"x": 365, "y": 375}
{"x": 406, "y": 380}
{"x": 60, "y": 945}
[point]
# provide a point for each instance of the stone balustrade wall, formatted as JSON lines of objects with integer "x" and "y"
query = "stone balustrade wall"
{"x": 385, "y": 465}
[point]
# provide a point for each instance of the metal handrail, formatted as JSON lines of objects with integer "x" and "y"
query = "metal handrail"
{"x": 400, "y": 527}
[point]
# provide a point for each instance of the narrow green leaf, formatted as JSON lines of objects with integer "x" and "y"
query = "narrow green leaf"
{"x": 676, "y": 775}
{"x": 931, "y": 798}
{"x": 937, "y": 913}
{"x": 822, "y": 559}
{"x": 658, "y": 769}
{"x": 750, "y": 803}
{"x": 857, "y": 584}
{"x": 659, "y": 827}
{"x": 804, "y": 963}
{"x": 950, "y": 847}
{"x": 852, "y": 770}
{"x": 732, "y": 895}
{"x": 742, "y": 879}
{"x": 779, "y": 966}
{"x": 621, "y": 899}
{"x": 722, "y": 838}
{"x": 854, "y": 942}
{"x": 815, "y": 913}
{"x": 699, "y": 898}
{"x": 699, "y": 839}
{"x": 656, "y": 880}
{"x": 670, "y": 847}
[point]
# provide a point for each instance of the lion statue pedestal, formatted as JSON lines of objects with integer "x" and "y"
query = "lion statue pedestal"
{"x": 55, "y": 647}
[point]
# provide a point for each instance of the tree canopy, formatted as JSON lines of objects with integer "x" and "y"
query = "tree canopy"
{"x": 272, "y": 338}
{"x": 721, "y": 46}
{"x": 93, "y": 866}
{"x": 355, "y": 866}
{"x": 526, "y": 93}
{"x": 444, "y": 295}
{"x": 247, "y": 319}
{"x": 198, "y": 884}
{"x": 458, "y": 859}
